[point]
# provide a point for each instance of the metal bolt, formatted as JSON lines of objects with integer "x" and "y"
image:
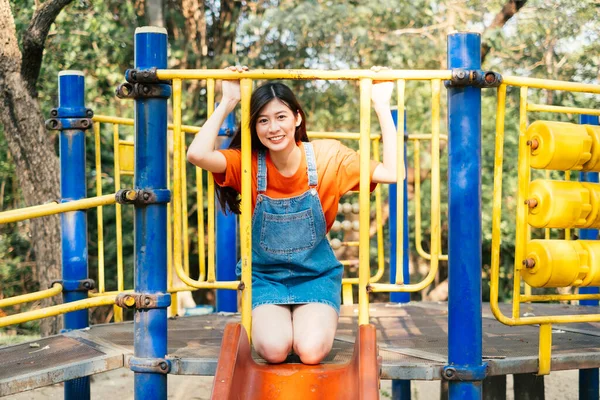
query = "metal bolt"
{"x": 87, "y": 285}
{"x": 129, "y": 301}
{"x": 53, "y": 124}
{"x": 54, "y": 112}
{"x": 460, "y": 74}
{"x": 130, "y": 195}
{"x": 85, "y": 123}
{"x": 531, "y": 203}
{"x": 145, "y": 89}
{"x": 533, "y": 143}
{"x": 147, "y": 301}
{"x": 490, "y": 78}
{"x": 164, "y": 365}
{"x": 449, "y": 373}
{"x": 529, "y": 263}
{"x": 89, "y": 113}
{"x": 146, "y": 196}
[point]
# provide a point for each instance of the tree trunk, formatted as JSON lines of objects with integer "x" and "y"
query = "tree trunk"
{"x": 155, "y": 15}
{"x": 36, "y": 163}
{"x": 508, "y": 11}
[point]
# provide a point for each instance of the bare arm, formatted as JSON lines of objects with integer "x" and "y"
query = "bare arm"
{"x": 202, "y": 151}
{"x": 385, "y": 172}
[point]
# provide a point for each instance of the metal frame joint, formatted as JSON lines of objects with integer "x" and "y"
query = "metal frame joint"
{"x": 473, "y": 77}
{"x": 150, "y": 365}
{"x": 143, "y": 301}
{"x": 465, "y": 373}
{"x": 143, "y": 197}
{"x": 143, "y": 83}
{"x": 82, "y": 285}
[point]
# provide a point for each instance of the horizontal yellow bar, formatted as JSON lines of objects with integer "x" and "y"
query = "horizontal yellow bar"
{"x": 425, "y": 136}
{"x": 550, "y": 84}
{"x": 558, "y": 297}
{"x": 348, "y": 262}
{"x": 126, "y": 142}
{"x": 232, "y": 285}
{"x": 357, "y": 74}
{"x": 561, "y": 109}
{"x": 129, "y": 122}
{"x": 26, "y": 298}
{"x": 354, "y": 281}
{"x": 54, "y": 208}
{"x": 340, "y": 135}
{"x": 56, "y": 310}
{"x": 112, "y": 293}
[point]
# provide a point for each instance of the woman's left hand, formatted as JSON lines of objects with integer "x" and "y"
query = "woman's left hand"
{"x": 381, "y": 91}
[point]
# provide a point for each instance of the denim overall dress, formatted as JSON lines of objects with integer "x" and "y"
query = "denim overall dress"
{"x": 292, "y": 261}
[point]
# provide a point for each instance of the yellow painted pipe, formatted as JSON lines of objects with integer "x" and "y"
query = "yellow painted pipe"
{"x": 558, "y": 297}
{"x": 562, "y": 109}
{"x": 129, "y": 122}
{"x": 99, "y": 219}
{"x": 184, "y": 207}
{"x": 426, "y": 136}
{"x": 210, "y": 195}
{"x": 246, "y": 207}
{"x": 56, "y": 289}
{"x": 56, "y": 310}
{"x": 550, "y": 84}
{"x": 200, "y": 216}
{"x": 339, "y": 135}
{"x": 304, "y": 74}
{"x": 379, "y": 222}
{"x": 545, "y": 349}
{"x": 364, "y": 267}
{"x": 118, "y": 311}
{"x": 22, "y": 214}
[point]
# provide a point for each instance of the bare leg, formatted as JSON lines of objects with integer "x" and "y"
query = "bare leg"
{"x": 314, "y": 329}
{"x": 272, "y": 333}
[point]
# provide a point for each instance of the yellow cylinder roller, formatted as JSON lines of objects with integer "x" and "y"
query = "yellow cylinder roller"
{"x": 557, "y": 263}
{"x": 558, "y": 204}
{"x": 558, "y": 145}
{"x": 594, "y": 162}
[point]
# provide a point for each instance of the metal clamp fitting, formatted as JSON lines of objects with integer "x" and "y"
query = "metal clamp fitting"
{"x": 143, "y": 301}
{"x": 143, "y": 90}
{"x": 83, "y": 285}
{"x": 476, "y": 78}
{"x": 143, "y": 197}
{"x": 462, "y": 373}
{"x": 71, "y": 112}
{"x": 148, "y": 75}
{"x": 150, "y": 365}
{"x": 61, "y": 124}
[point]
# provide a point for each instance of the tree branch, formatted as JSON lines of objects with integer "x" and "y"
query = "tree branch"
{"x": 33, "y": 41}
{"x": 508, "y": 11}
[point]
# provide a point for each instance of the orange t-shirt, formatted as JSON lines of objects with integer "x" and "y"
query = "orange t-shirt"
{"x": 337, "y": 169}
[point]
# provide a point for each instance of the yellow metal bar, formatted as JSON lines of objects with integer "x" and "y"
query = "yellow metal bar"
{"x": 22, "y": 214}
{"x": 101, "y": 281}
{"x": 304, "y": 74}
{"x": 184, "y": 207}
{"x": 229, "y": 285}
{"x": 246, "y": 207}
{"x": 200, "y": 214}
{"x": 567, "y": 231}
{"x": 340, "y": 135}
{"x": 426, "y": 136}
{"x": 550, "y": 84}
{"x": 545, "y": 349}
{"x": 379, "y": 221}
{"x": 210, "y": 195}
{"x": 56, "y": 310}
{"x": 562, "y": 109}
{"x": 417, "y": 196}
{"x": 522, "y": 229}
{"x": 129, "y": 122}
{"x": 347, "y": 294}
{"x": 364, "y": 267}
{"x": 111, "y": 293}
{"x": 559, "y": 297}
{"x": 56, "y": 289}
{"x": 435, "y": 200}
{"x": 118, "y": 311}
{"x": 399, "y": 278}
{"x": 173, "y": 307}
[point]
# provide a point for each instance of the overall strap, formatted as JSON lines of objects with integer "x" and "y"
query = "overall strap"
{"x": 262, "y": 171}
{"x": 311, "y": 164}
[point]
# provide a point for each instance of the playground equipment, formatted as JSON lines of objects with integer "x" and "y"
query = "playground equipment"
{"x": 413, "y": 344}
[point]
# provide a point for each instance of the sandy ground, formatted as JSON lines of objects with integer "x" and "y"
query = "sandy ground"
{"x": 559, "y": 386}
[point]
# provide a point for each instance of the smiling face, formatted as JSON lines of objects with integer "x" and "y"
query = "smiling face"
{"x": 276, "y": 126}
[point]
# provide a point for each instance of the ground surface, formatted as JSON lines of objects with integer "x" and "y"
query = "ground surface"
{"x": 559, "y": 386}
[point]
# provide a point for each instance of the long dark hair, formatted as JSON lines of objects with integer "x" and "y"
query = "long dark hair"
{"x": 228, "y": 197}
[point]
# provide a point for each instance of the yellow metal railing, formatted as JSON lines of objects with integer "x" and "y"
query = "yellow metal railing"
{"x": 523, "y": 233}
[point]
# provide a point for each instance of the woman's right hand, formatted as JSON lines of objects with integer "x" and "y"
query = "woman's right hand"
{"x": 231, "y": 88}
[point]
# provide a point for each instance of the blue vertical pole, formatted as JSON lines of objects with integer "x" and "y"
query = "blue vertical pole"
{"x": 589, "y": 382}
{"x": 226, "y": 237}
{"x": 150, "y": 221}
{"x": 400, "y": 388}
{"x": 464, "y": 200}
{"x": 71, "y": 102}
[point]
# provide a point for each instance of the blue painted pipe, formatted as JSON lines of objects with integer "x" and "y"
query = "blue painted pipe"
{"x": 464, "y": 202}
{"x": 400, "y": 388}
{"x": 226, "y": 236}
{"x": 150, "y": 222}
{"x": 71, "y": 89}
{"x": 589, "y": 382}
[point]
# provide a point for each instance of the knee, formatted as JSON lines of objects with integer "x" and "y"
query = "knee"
{"x": 273, "y": 352}
{"x": 312, "y": 350}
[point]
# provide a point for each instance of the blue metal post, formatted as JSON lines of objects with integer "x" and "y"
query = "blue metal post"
{"x": 400, "y": 388}
{"x": 150, "y": 221}
{"x": 464, "y": 200}
{"x": 71, "y": 107}
{"x": 589, "y": 382}
{"x": 226, "y": 237}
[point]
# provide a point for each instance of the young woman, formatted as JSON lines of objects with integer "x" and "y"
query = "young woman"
{"x": 296, "y": 186}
